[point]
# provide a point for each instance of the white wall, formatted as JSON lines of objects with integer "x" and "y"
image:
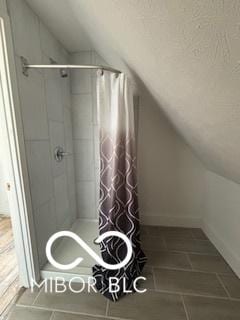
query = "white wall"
{"x": 4, "y": 207}
{"x": 46, "y": 116}
{"x": 170, "y": 177}
{"x": 222, "y": 217}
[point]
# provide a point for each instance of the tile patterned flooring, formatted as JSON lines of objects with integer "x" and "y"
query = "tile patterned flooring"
{"x": 187, "y": 279}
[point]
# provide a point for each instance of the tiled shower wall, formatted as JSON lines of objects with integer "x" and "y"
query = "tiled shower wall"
{"x": 85, "y": 134}
{"x": 46, "y": 116}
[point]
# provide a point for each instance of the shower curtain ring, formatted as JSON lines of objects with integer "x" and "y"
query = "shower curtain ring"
{"x": 100, "y": 72}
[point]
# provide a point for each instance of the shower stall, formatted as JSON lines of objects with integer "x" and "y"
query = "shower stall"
{"x": 74, "y": 158}
{"x": 89, "y": 199}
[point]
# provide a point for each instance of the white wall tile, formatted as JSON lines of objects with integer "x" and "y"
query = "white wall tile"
{"x": 82, "y": 116}
{"x": 61, "y": 199}
{"x": 45, "y": 225}
{"x": 44, "y": 95}
{"x": 65, "y": 88}
{"x": 81, "y": 130}
{"x": 71, "y": 187}
{"x": 96, "y": 147}
{"x": 81, "y": 81}
{"x": 71, "y": 175}
{"x": 94, "y": 101}
{"x": 32, "y": 98}
{"x": 53, "y": 89}
{"x": 68, "y": 130}
{"x": 86, "y": 199}
{"x": 84, "y": 160}
{"x": 56, "y": 131}
{"x": 25, "y": 26}
{"x": 82, "y": 107}
{"x": 85, "y": 135}
{"x": 73, "y": 207}
{"x": 39, "y": 165}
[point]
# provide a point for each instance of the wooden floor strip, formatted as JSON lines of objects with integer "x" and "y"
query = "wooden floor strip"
{"x": 9, "y": 282}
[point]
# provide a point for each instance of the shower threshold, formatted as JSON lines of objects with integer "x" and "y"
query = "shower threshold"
{"x": 68, "y": 250}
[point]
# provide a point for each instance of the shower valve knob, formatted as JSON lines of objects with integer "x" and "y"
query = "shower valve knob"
{"x": 59, "y": 154}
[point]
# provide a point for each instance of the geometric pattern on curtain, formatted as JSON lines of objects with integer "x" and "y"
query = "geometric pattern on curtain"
{"x": 118, "y": 203}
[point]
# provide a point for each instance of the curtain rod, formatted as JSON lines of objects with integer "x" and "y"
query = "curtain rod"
{"x": 26, "y": 66}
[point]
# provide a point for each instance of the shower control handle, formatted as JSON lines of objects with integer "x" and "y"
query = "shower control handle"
{"x": 59, "y": 154}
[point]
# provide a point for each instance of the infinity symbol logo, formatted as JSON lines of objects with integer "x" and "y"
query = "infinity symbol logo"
{"x": 83, "y": 244}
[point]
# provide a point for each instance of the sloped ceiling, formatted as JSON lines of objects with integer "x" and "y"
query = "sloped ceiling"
{"x": 186, "y": 53}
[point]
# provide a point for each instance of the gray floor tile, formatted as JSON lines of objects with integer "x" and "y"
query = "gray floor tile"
{"x": 176, "y": 232}
{"x": 201, "y": 308}
{"x": 209, "y": 263}
{"x": 232, "y": 284}
{"x": 165, "y": 247}
{"x": 153, "y": 243}
{"x": 168, "y": 259}
{"x": 188, "y": 282}
{"x": 149, "y": 282}
{"x": 150, "y": 305}
{"x": 198, "y": 234}
{"x": 68, "y": 316}
{"x": 25, "y": 313}
{"x": 89, "y": 303}
{"x": 144, "y": 230}
{"x": 28, "y": 297}
{"x": 193, "y": 246}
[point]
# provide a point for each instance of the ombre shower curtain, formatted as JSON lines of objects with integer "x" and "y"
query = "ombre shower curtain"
{"x": 118, "y": 204}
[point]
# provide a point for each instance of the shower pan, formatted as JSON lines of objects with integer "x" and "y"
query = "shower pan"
{"x": 68, "y": 250}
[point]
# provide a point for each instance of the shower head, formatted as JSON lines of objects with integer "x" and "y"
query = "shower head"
{"x": 63, "y": 73}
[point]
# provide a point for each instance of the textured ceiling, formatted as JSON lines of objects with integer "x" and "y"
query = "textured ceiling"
{"x": 186, "y": 53}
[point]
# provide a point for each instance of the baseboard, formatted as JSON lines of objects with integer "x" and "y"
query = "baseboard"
{"x": 232, "y": 259}
{"x": 171, "y": 221}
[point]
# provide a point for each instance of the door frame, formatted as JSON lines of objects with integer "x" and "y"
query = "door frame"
{"x": 19, "y": 194}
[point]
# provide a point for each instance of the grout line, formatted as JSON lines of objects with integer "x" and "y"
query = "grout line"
{"x": 223, "y": 285}
{"x": 81, "y": 93}
{"x": 52, "y": 315}
{"x": 171, "y": 268}
{"x": 183, "y": 269}
{"x": 196, "y": 295}
{"x": 164, "y": 242}
{"x": 193, "y": 236}
{"x": 71, "y": 312}
{"x": 107, "y": 308}
{"x": 154, "y": 279}
{"x": 189, "y": 260}
{"x": 182, "y": 251}
{"x": 38, "y": 294}
{"x": 185, "y": 308}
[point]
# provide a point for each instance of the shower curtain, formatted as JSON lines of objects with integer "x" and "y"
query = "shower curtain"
{"x": 118, "y": 204}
